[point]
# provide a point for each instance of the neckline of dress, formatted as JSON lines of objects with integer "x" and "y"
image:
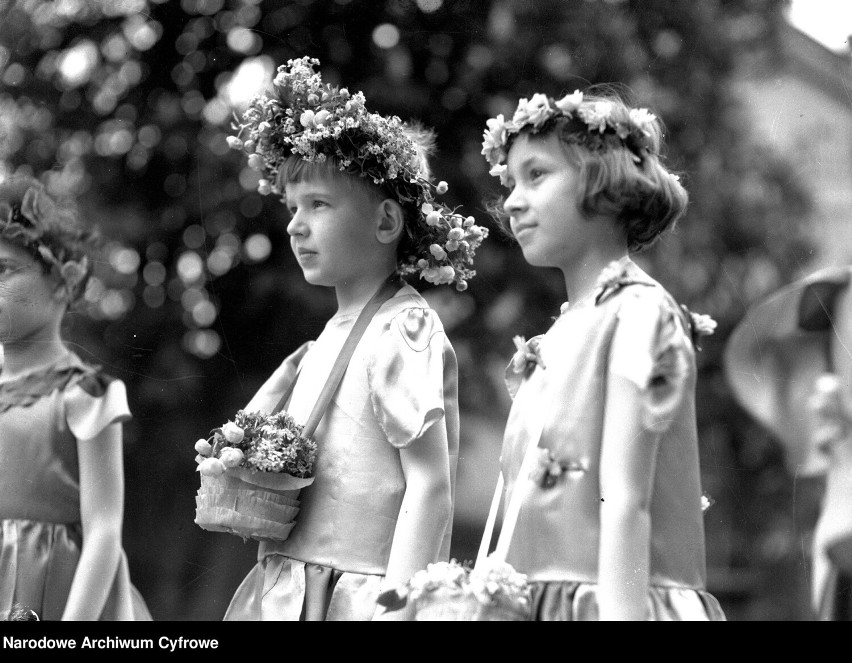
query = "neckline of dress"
{"x": 65, "y": 361}
{"x": 344, "y": 317}
{"x": 618, "y": 266}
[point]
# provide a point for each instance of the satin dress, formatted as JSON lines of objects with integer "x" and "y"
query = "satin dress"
{"x": 42, "y": 415}
{"x": 401, "y": 381}
{"x": 633, "y": 329}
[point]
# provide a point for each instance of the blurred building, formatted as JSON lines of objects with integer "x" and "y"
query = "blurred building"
{"x": 802, "y": 103}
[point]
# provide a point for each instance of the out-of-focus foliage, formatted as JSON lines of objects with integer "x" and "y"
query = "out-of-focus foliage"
{"x": 126, "y": 104}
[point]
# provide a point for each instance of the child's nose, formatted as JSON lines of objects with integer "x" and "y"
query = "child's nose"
{"x": 514, "y": 201}
{"x": 295, "y": 225}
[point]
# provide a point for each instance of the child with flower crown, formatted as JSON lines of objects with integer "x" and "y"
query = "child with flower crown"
{"x": 362, "y": 213}
{"x": 601, "y": 436}
{"x": 61, "y": 475}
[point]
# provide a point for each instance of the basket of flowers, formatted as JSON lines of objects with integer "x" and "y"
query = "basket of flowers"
{"x": 252, "y": 469}
{"x": 492, "y": 591}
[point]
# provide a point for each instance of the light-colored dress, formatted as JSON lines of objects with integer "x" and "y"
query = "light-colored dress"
{"x": 42, "y": 416}
{"x": 401, "y": 380}
{"x": 633, "y": 329}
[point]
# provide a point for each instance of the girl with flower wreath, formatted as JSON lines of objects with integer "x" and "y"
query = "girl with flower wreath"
{"x": 362, "y": 212}
{"x": 601, "y": 435}
{"x": 61, "y": 475}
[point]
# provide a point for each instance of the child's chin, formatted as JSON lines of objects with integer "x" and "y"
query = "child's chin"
{"x": 533, "y": 258}
{"x": 315, "y": 278}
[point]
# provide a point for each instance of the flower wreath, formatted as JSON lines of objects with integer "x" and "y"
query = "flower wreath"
{"x": 314, "y": 120}
{"x": 591, "y": 124}
{"x": 28, "y": 224}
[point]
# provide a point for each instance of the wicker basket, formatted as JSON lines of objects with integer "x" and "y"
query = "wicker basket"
{"x": 253, "y": 505}
{"x": 444, "y": 605}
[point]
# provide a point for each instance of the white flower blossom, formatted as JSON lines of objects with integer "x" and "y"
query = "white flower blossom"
{"x": 231, "y": 457}
{"x": 211, "y": 467}
{"x": 232, "y": 433}
{"x": 203, "y": 447}
{"x": 570, "y": 102}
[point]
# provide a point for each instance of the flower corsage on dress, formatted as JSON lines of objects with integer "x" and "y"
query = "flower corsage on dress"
{"x": 252, "y": 469}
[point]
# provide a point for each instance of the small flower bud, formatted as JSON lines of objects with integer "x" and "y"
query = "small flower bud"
{"x": 203, "y": 447}
{"x": 231, "y": 457}
{"x": 437, "y": 251}
{"x": 211, "y": 467}
{"x": 233, "y": 433}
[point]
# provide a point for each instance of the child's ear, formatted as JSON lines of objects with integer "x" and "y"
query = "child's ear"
{"x": 391, "y": 221}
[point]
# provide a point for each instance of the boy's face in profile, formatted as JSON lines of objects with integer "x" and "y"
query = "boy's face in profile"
{"x": 332, "y": 230}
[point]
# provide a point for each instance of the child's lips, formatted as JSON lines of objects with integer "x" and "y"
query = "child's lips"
{"x": 303, "y": 254}
{"x": 522, "y": 228}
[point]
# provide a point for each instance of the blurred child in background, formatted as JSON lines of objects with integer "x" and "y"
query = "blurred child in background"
{"x": 61, "y": 462}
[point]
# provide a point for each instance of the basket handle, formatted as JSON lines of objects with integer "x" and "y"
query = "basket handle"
{"x": 510, "y": 519}
{"x": 387, "y": 290}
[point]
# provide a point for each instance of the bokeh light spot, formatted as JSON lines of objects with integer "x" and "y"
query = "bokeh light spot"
{"x": 154, "y": 273}
{"x": 204, "y": 313}
{"x": 386, "y": 35}
{"x": 194, "y": 236}
{"x": 124, "y": 260}
{"x": 429, "y": 6}
{"x": 190, "y": 267}
{"x": 257, "y": 247}
{"x": 203, "y": 343}
{"x": 78, "y": 62}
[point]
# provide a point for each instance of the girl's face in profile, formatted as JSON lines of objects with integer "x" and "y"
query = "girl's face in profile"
{"x": 332, "y": 229}
{"x": 29, "y": 303}
{"x": 542, "y": 203}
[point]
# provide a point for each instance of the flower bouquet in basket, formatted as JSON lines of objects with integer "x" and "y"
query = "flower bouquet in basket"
{"x": 492, "y": 591}
{"x": 252, "y": 470}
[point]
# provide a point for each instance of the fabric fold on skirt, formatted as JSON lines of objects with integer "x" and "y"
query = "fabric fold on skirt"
{"x": 37, "y": 565}
{"x": 279, "y": 588}
{"x": 577, "y": 601}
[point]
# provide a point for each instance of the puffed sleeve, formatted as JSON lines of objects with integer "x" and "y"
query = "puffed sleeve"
{"x": 94, "y": 402}
{"x": 651, "y": 348}
{"x": 270, "y": 393}
{"x": 406, "y": 376}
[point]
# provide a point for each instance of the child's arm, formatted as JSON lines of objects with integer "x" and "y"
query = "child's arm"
{"x": 102, "y": 512}
{"x": 645, "y": 382}
{"x": 628, "y": 456}
{"x": 423, "y": 515}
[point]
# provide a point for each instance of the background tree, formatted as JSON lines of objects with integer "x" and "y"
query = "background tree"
{"x": 127, "y": 105}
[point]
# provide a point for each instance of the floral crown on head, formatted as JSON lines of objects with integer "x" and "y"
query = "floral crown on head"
{"x": 595, "y": 124}
{"x": 316, "y": 121}
{"x": 32, "y": 223}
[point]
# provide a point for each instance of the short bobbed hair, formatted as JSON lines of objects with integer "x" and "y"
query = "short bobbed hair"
{"x": 638, "y": 190}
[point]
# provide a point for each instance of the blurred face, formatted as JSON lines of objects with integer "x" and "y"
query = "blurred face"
{"x": 29, "y": 304}
{"x": 332, "y": 230}
{"x": 542, "y": 205}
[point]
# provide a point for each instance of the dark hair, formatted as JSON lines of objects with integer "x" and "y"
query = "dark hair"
{"x": 51, "y": 223}
{"x": 645, "y": 197}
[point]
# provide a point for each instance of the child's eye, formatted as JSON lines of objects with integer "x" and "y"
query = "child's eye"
{"x": 319, "y": 203}
{"x": 535, "y": 173}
